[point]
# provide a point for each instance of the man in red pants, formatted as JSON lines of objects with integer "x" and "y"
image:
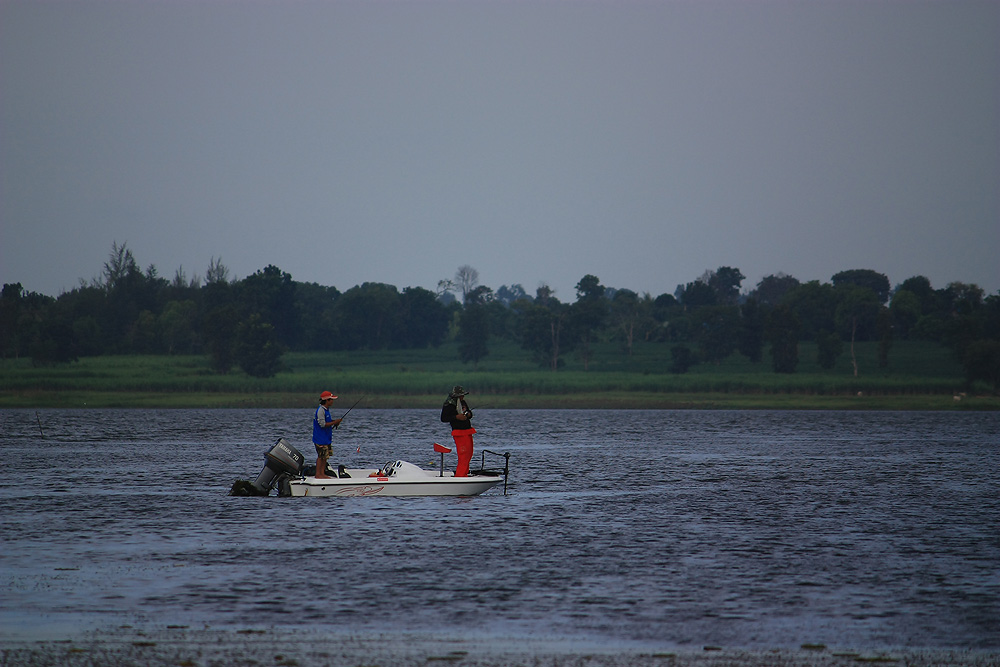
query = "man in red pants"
{"x": 456, "y": 412}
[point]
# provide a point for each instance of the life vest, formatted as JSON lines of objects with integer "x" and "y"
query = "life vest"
{"x": 322, "y": 435}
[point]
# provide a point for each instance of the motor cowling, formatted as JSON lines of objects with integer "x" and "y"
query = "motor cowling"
{"x": 281, "y": 459}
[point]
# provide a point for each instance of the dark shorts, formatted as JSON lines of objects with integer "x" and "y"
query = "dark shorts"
{"x": 323, "y": 451}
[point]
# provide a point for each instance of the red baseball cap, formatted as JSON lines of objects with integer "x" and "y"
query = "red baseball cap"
{"x": 325, "y": 396}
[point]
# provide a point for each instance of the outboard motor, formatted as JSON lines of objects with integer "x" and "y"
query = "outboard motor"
{"x": 283, "y": 459}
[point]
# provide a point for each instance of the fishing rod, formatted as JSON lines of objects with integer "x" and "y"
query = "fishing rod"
{"x": 349, "y": 410}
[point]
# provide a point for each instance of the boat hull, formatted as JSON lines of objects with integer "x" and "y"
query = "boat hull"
{"x": 368, "y": 483}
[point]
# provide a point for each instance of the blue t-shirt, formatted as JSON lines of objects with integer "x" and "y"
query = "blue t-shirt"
{"x": 322, "y": 435}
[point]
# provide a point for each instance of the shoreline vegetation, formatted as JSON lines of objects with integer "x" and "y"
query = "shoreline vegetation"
{"x": 920, "y": 376}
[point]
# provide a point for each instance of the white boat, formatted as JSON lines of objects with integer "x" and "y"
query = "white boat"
{"x": 284, "y": 469}
{"x": 399, "y": 478}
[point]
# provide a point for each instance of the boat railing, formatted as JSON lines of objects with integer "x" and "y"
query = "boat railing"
{"x": 484, "y": 471}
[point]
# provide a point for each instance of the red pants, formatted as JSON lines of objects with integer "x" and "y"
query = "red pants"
{"x": 463, "y": 447}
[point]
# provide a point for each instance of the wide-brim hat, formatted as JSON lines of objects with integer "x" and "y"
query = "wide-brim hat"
{"x": 326, "y": 396}
{"x": 458, "y": 391}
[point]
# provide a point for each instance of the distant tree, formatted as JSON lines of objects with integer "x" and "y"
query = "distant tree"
{"x": 544, "y": 328}
{"x": 545, "y": 295}
{"x": 664, "y": 305}
{"x": 181, "y": 282}
{"x": 991, "y": 316}
{"x": 12, "y": 306}
{"x": 258, "y": 350}
{"x": 120, "y": 267}
{"x": 314, "y": 310}
{"x": 627, "y": 314}
{"x": 87, "y": 332}
{"x": 726, "y": 281}
{"x": 85, "y": 309}
{"x": 447, "y": 299}
{"x": 905, "y": 311}
{"x": 964, "y": 298}
{"x": 683, "y": 359}
{"x": 680, "y": 328}
{"x": 856, "y": 315}
{"x": 423, "y": 319}
{"x": 697, "y": 294}
{"x": 588, "y": 314}
{"x": 589, "y": 288}
{"x": 444, "y": 290}
{"x": 52, "y": 337}
{"x": 920, "y": 287}
{"x": 217, "y": 272}
{"x": 128, "y": 292}
{"x": 508, "y": 295}
{"x": 982, "y": 362}
{"x": 473, "y": 334}
{"x": 270, "y": 293}
{"x": 665, "y": 312}
{"x": 718, "y": 330}
{"x": 876, "y": 282}
{"x": 502, "y": 319}
{"x": 828, "y": 349}
{"x": 815, "y": 305}
{"x": 473, "y": 326}
{"x": 466, "y": 280}
{"x": 216, "y": 294}
{"x": 54, "y": 344}
{"x": 883, "y": 329}
{"x": 963, "y": 316}
{"x": 218, "y": 329}
{"x": 750, "y": 337}
{"x": 178, "y": 326}
{"x": 782, "y": 330}
{"x": 368, "y": 317}
{"x": 144, "y": 334}
{"x": 772, "y": 289}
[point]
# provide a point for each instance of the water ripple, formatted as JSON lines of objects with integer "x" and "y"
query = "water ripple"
{"x": 736, "y": 528}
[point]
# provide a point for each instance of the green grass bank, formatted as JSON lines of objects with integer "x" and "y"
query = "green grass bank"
{"x": 920, "y": 376}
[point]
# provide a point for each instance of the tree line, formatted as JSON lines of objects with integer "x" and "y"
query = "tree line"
{"x": 251, "y": 323}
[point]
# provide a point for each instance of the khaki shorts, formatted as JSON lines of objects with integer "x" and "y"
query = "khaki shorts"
{"x": 323, "y": 451}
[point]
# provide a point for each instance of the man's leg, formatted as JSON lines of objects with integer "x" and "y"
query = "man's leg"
{"x": 321, "y": 455}
{"x": 463, "y": 447}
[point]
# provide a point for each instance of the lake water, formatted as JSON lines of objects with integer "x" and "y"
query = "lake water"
{"x": 679, "y": 528}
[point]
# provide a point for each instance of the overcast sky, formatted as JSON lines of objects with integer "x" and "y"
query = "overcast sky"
{"x": 536, "y": 141}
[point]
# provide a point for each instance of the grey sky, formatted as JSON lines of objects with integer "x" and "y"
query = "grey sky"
{"x": 642, "y": 142}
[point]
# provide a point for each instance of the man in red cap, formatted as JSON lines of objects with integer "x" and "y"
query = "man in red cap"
{"x": 323, "y": 425}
